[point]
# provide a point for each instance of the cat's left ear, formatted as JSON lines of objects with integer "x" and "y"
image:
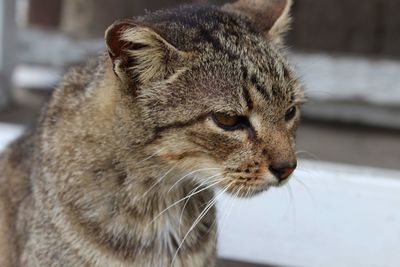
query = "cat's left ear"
{"x": 140, "y": 55}
{"x": 270, "y": 16}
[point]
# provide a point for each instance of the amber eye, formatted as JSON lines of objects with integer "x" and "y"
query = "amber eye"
{"x": 230, "y": 122}
{"x": 290, "y": 113}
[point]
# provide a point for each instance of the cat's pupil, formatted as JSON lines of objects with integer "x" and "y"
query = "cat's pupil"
{"x": 290, "y": 113}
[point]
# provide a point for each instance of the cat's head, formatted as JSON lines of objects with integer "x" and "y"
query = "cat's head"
{"x": 212, "y": 88}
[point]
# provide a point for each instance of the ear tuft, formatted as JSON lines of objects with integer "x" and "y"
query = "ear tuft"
{"x": 140, "y": 54}
{"x": 270, "y": 16}
{"x": 114, "y": 40}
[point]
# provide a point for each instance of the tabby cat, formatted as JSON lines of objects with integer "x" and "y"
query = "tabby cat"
{"x": 122, "y": 167}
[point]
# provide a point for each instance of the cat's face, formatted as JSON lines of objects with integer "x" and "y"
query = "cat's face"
{"x": 238, "y": 118}
{"x": 226, "y": 106}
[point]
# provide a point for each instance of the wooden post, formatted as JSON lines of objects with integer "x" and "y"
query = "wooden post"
{"x": 45, "y": 13}
{"x": 89, "y": 18}
{"x": 7, "y": 44}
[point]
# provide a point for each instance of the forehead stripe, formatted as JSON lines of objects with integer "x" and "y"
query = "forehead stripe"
{"x": 258, "y": 86}
{"x": 247, "y": 98}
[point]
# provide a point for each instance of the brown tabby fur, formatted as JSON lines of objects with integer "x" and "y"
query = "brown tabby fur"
{"x": 90, "y": 184}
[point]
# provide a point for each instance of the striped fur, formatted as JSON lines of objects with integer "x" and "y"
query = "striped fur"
{"x": 104, "y": 179}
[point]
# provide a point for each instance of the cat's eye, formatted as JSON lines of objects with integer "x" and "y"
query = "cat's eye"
{"x": 230, "y": 122}
{"x": 290, "y": 113}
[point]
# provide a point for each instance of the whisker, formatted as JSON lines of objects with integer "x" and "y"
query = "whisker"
{"x": 187, "y": 201}
{"x": 158, "y": 181}
{"x": 294, "y": 213}
{"x": 180, "y": 200}
{"x": 228, "y": 213}
{"x": 199, "y": 218}
{"x": 290, "y": 197}
{"x": 152, "y": 155}
{"x": 309, "y": 193}
{"x": 247, "y": 193}
{"x": 188, "y": 174}
{"x": 311, "y": 171}
{"x": 315, "y": 157}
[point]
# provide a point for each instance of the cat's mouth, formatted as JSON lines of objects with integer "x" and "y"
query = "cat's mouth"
{"x": 249, "y": 185}
{"x": 257, "y": 177}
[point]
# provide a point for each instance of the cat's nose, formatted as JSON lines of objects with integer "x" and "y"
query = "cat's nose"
{"x": 282, "y": 170}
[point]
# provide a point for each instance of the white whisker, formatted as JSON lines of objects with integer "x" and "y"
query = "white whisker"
{"x": 294, "y": 214}
{"x": 187, "y": 200}
{"x": 229, "y": 211}
{"x": 309, "y": 193}
{"x": 199, "y": 218}
{"x": 188, "y": 174}
{"x": 315, "y": 157}
{"x": 182, "y": 199}
{"x": 158, "y": 181}
{"x": 152, "y": 155}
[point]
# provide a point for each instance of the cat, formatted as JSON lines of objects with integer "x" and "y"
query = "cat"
{"x": 132, "y": 150}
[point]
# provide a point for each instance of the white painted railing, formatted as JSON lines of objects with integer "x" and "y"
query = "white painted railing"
{"x": 8, "y": 132}
{"x": 336, "y": 216}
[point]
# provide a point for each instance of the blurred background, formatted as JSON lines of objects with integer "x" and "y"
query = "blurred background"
{"x": 348, "y": 55}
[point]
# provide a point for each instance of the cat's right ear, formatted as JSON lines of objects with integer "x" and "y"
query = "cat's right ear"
{"x": 271, "y": 16}
{"x": 139, "y": 54}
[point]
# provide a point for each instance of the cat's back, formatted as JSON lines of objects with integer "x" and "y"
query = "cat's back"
{"x": 15, "y": 196}
{"x": 18, "y": 159}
